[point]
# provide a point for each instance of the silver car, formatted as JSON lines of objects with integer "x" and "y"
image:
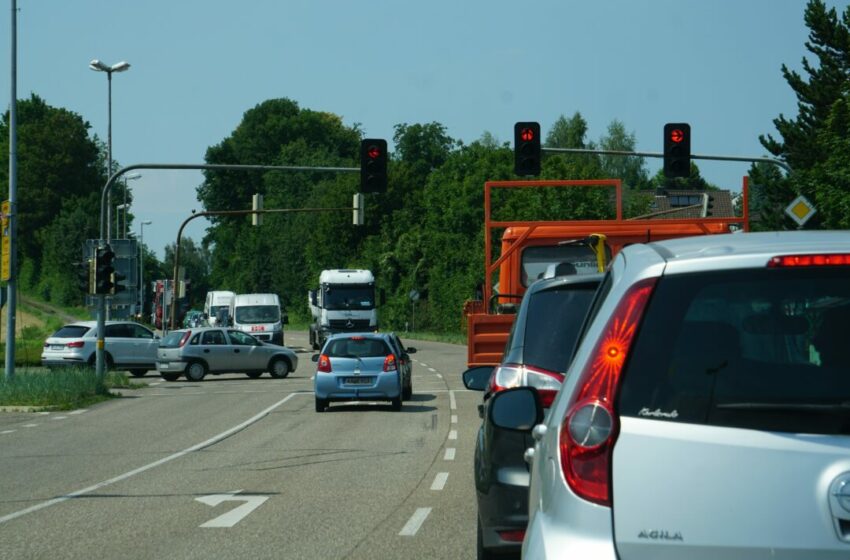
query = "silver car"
{"x": 706, "y": 414}
{"x": 197, "y": 352}
{"x": 127, "y": 345}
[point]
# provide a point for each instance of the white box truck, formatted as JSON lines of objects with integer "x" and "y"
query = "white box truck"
{"x": 344, "y": 302}
{"x": 217, "y": 306}
{"x": 259, "y": 315}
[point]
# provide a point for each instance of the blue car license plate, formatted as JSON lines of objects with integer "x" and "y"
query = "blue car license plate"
{"x": 357, "y": 380}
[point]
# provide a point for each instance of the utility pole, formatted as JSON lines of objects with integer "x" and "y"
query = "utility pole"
{"x": 10, "y": 221}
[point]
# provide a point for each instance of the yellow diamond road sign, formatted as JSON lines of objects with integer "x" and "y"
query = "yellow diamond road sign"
{"x": 801, "y": 210}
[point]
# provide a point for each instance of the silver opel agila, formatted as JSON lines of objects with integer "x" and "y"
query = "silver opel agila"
{"x": 706, "y": 414}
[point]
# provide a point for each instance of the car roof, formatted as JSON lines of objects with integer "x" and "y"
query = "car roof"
{"x": 91, "y": 324}
{"x": 381, "y": 335}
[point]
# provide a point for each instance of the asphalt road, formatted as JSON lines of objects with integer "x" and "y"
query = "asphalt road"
{"x": 234, "y": 467}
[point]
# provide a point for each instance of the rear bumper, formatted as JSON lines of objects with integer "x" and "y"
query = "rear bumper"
{"x": 171, "y": 367}
{"x": 69, "y": 361}
{"x": 332, "y": 387}
{"x": 504, "y": 507}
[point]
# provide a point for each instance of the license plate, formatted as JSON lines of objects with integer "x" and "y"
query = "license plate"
{"x": 57, "y": 347}
{"x": 358, "y": 381}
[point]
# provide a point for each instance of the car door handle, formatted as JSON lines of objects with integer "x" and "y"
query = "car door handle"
{"x": 236, "y": 350}
{"x": 206, "y": 350}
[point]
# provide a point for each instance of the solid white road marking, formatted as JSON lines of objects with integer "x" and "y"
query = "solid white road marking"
{"x": 79, "y": 411}
{"x": 213, "y": 440}
{"x": 450, "y": 454}
{"x": 59, "y": 417}
{"x": 454, "y": 418}
{"x": 155, "y": 384}
{"x": 235, "y": 515}
{"x": 415, "y": 522}
{"x": 440, "y": 481}
{"x": 452, "y": 401}
{"x": 452, "y": 434}
{"x": 8, "y": 431}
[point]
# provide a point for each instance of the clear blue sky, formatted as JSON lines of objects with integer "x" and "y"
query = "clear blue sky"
{"x": 473, "y": 66}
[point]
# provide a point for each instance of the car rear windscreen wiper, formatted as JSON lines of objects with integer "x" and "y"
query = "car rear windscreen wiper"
{"x": 786, "y": 407}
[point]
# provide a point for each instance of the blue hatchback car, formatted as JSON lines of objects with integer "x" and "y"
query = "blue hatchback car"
{"x": 358, "y": 366}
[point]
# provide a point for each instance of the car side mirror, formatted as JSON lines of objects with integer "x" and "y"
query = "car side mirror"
{"x": 411, "y": 350}
{"x": 516, "y": 409}
{"x": 314, "y": 358}
{"x": 477, "y": 378}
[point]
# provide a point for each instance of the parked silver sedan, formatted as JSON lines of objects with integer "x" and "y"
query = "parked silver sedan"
{"x": 197, "y": 352}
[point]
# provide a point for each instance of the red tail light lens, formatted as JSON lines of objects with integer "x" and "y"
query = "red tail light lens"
{"x": 589, "y": 429}
{"x": 76, "y": 344}
{"x": 546, "y": 382}
{"x": 512, "y": 536}
{"x": 389, "y": 363}
{"x": 324, "y": 364}
{"x": 789, "y": 261}
{"x": 185, "y": 339}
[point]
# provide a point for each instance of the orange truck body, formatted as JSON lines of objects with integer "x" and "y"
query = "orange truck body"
{"x": 487, "y": 330}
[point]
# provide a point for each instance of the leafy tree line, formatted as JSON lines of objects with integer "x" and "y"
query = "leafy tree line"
{"x": 426, "y": 231}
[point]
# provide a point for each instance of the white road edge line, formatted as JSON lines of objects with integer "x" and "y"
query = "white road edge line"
{"x": 415, "y": 522}
{"x": 134, "y": 472}
{"x": 450, "y": 454}
{"x": 452, "y": 434}
{"x": 8, "y": 432}
{"x": 440, "y": 481}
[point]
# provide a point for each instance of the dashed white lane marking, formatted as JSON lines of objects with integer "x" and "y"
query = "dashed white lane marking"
{"x": 30, "y": 425}
{"x": 452, "y": 434}
{"x": 59, "y": 417}
{"x": 79, "y": 411}
{"x": 44, "y": 413}
{"x": 454, "y": 418}
{"x": 450, "y": 454}
{"x": 415, "y": 522}
{"x": 423, "y": 364}
{"x": 452, "y": 401}
{"x": 204, "y": 444}
{"x": 440, "y": 376}
{"x": 8, "y": 431}
{"x": 431, "y": 369}
{"x": 440, "y": 481}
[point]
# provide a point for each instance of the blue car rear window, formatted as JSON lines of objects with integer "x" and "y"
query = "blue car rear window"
{"x": 356, "y": 348}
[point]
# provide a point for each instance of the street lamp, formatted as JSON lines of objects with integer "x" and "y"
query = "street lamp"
{"x": 130, "y": 177}
{"x": 142, "y": 266}
{"x": 99, "y": 66}
{"x": 117, "y": 216}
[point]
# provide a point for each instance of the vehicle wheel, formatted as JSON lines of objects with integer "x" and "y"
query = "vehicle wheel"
{"x": 138, "y": 372}
{"x": 321, "y": 405}
{"x": 481, "y": 552}
{"x": 196, "y": 371}
{"x": 407, "y": 394}
{"x": 254, "y": 374}
{"x": 170, "y": 376}
{"x": 279, "y": 368}
{"x": 109, "y": 363}
{"x": 396, "y": 403}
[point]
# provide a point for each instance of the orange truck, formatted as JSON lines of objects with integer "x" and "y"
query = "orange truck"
{"x": 533, "y": 249}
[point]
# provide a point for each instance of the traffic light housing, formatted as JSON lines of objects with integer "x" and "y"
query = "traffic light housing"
{"x": 104, "y": 270}
{"x": 677, "y": 150}
{"x": 373, "y": 165}
{"x": 527, "y": 151}
{"x": 115, "y": 282}
{"x": 85, "y": 276}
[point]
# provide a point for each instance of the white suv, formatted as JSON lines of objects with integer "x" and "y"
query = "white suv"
{"x": 706, "y": 414}
{"x": 128, "y": 345}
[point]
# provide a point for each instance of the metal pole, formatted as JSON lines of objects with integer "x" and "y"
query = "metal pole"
{"x": 11, "y": 284}
{"x": 141, "y": 272}
{"x": 109, "y": 154}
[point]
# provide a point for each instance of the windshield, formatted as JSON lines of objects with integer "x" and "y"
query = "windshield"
{"x": 348, "y": 297}
{"x": 257, "y": 314}
{"x": 216, "y": 309}
{"x": 172, "y": 339}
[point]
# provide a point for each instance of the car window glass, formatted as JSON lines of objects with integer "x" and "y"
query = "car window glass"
{"x": 195, "y": 339}
{"x": 116, "y": 331}
{"x": 72, "y": 331}
{"x": 141, "y": 332}
{"x": 172, "y": 339}
{"x": 213, "y": 338}
{"x": 242, "y": 339}
{"x": 357, "y": 348}
{"x": 755, "y": 349}
{"x": 552, "y": 325}
{"x": 598, "y": 300}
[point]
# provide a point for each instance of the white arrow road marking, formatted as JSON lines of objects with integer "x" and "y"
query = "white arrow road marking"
{"x": 235, "y": 515}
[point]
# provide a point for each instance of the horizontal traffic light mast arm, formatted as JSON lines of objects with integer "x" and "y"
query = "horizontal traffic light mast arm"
{"x": 233, "y": 213}
{"x": 211, "y": 166}
{"x": 752, "y": 159}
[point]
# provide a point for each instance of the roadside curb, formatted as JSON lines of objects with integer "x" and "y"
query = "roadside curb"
{"x": 27, "y": 408}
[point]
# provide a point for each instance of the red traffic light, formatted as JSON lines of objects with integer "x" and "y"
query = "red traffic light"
{"x": 374, "y": 152}
{"x": 677, "y": 135}
{"x": 527, "y": 134}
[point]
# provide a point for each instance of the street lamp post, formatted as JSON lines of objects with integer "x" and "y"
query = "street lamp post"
{"x": 99, "y": 66}
{"x": 142, "y": 266}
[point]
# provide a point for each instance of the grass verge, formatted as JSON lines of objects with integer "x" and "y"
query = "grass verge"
{"x": 61, "y": 390}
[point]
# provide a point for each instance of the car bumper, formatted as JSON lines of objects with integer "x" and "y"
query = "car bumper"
{"x": 334, "y": 387}
{"x": 171, "y": 367}
{"x": 69, "y": 361}
{"x": 504, "y": 507}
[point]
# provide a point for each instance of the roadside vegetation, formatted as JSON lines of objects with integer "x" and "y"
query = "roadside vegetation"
{"x": 61, "y": 390}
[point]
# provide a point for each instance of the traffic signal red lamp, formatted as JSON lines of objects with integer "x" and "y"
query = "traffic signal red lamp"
{"x": 677, "y": 150}
{"x": 527, "y": 151}
{"x": 373, "y": 165}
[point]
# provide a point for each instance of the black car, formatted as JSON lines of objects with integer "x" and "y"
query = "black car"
{"x": 537, "y": 352}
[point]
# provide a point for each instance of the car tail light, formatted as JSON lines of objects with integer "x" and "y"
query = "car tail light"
{"x": 512, "y": 536}
{"x": 389, "y": 363}
{"x": 324, "y": 364}
{"x": 789, "y": 261}
{"x": 75, "y": 344}
{"x": 589, "y": 429}
{"x": 185, "y": 338}
{"x": 546, "y": 382}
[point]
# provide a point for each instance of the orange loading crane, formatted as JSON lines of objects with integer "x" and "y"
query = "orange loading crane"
{"x": 489, "y": 320}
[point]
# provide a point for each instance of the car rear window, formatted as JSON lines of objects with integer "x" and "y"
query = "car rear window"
{"x": 553, "y": 322}
{"x": 71, "y": 331}
{"x": 357, "y": 348}
{"x": 761, "y": 349}
{"x": 172, "y": 339}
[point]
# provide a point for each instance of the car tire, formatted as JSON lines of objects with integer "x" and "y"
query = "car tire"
{"x": 279, "y": 368}
{"x": 138, "y": 372}
{"x": 321, "y": 405}
{"x": 396, "y": 403}
{"x": 407, "y": 394}
{"x": 482, "y": 553}
{"x": 196, "y": 371}
{"x": 109, "y": 362}
{"x": 254, "y": 374}
{"x": 170, "y": 376}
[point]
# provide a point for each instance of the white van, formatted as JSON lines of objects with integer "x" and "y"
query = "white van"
{"x": 216, "y": 305}
{"x": 259, "y": 315}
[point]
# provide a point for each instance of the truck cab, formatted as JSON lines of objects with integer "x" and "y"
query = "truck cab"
{"x": 344, "y": 302}
{"x": 259, "y": 315}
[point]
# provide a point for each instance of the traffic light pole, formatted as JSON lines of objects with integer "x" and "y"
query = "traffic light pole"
{"x": 107, "y": 189}
{"x": 752, "y": 159}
